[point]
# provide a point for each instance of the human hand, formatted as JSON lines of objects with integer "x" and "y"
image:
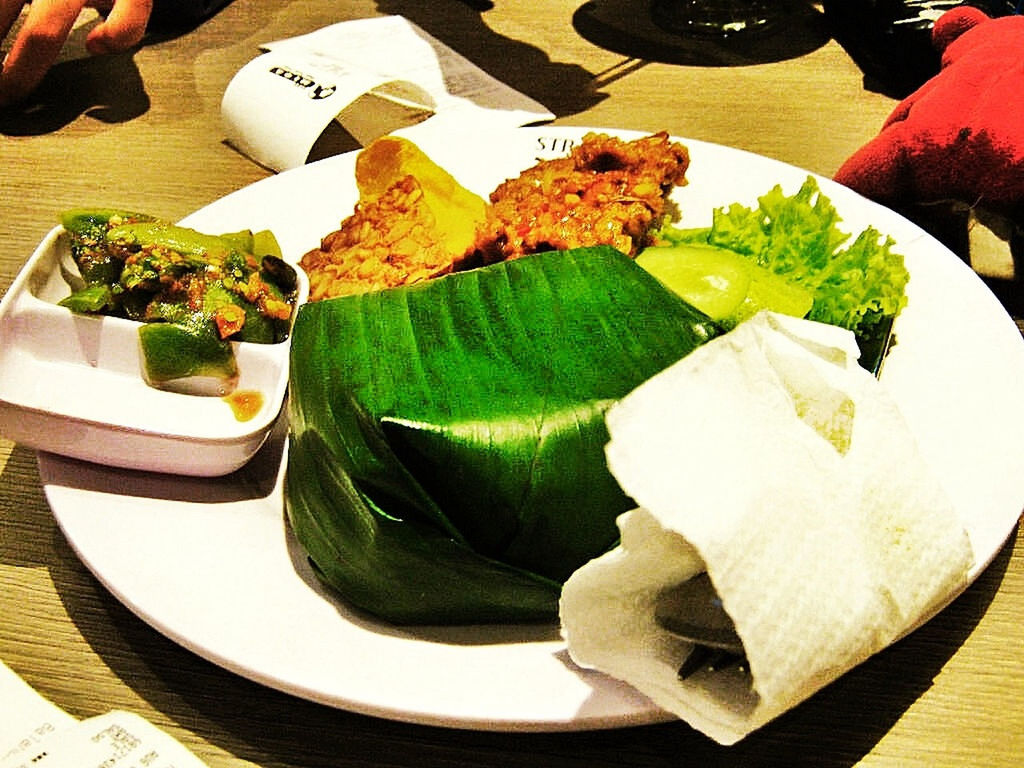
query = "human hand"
{"x": 46, "y": 28}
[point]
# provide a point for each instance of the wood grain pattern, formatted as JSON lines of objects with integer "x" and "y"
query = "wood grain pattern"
{"x": 143, "y": 131}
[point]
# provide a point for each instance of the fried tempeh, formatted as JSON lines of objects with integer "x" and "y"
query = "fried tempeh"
{"x": 413, "y": 221}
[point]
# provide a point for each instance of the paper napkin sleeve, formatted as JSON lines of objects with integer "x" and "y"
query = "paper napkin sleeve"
{"x": 370, "y": 76}
{"x": 771, "y": 460}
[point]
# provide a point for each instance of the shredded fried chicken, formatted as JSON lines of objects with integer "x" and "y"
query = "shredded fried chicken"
{"x": 607, "y": 192}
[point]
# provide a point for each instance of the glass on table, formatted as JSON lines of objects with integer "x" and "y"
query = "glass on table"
{"x": 714, "y": 18}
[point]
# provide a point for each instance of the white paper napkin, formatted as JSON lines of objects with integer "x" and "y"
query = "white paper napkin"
{"x": 770, "y": 459}
{"x": 375, "y": 76}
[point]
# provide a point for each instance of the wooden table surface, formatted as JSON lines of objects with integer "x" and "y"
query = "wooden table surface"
{"x": 142, "y": 130}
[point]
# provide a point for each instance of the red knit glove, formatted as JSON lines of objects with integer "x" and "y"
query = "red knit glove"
{"x": 960, "y": 136}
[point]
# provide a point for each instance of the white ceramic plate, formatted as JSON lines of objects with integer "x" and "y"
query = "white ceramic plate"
{"x": 212, "y": 564}
{"x": 73, "y": 384}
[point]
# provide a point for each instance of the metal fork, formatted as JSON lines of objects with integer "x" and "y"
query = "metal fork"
{"x": 693, "y": 611}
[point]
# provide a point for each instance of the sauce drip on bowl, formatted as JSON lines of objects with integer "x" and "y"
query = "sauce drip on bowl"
{"x": 245, "y": 403}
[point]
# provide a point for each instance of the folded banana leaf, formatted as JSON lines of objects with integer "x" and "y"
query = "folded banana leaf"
{"x": 446, "y": 459}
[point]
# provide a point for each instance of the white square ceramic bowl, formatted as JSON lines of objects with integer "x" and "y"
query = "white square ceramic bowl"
{"x": 72, "y": 384}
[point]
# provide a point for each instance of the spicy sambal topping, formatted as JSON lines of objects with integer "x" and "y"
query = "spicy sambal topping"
{"x": 606, "y": 192}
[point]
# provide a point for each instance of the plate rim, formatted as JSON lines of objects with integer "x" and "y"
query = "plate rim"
{"x": 639, "y": 710}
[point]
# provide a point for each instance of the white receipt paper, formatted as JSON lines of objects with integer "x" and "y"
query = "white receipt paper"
{"x": 374, "y": 76}
{"x": 34, "y": 733}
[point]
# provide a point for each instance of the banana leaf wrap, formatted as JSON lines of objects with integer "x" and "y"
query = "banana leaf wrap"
{"x": 446, "y": 457}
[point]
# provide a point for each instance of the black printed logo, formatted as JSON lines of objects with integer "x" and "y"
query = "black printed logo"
{"x": 315, "y": 89}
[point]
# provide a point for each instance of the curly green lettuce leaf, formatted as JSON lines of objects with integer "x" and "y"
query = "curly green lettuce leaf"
{"x": 860, "y": 287}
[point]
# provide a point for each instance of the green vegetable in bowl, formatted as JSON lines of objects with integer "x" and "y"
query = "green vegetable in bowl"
{"x": 194, "y": 292}
{"x": 175, "y": 351}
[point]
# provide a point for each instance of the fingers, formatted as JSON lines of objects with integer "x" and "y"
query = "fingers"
{"x": 37, "y": 45}
{"x": 46, "y": 29}
{"x": 124, "y": 27}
